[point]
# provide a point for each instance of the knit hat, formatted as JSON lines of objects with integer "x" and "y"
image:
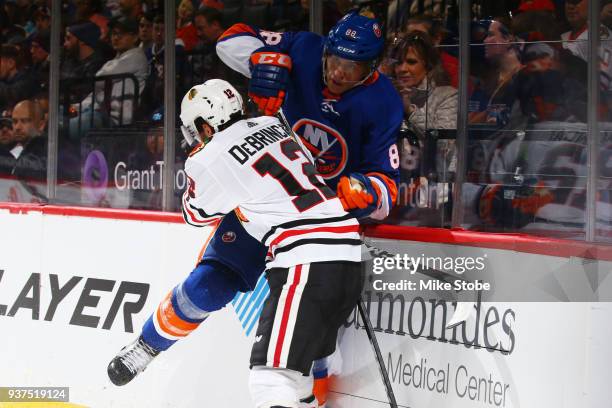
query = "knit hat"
{"x": 43, "y": 39}
{"x": 88, "y": 33}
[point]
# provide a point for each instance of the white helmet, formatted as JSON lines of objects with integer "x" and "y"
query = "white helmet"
{"x": 215, "y": 101}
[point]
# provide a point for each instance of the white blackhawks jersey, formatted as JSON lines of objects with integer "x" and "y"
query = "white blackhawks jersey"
{"x": 256, "y": 167}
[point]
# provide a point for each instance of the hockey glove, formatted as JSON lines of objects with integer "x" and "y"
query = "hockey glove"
{"x": 269, "y": 79}
{"x": 358, "y": 194}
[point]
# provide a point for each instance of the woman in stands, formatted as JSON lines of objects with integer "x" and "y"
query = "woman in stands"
{"x": 429, "y": 100}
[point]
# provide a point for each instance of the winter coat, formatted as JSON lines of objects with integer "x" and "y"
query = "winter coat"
{"x": 132, "y": 61}
{"x": 436, "y": 109}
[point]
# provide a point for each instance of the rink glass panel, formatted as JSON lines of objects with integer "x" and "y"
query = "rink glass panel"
{"x": 24, "y": 106}
{"x": 527, "y": 132}
{"x": 110, "y": 116}
{"x": 603, "y": 199}
{"x": 203, "y": 64}
{"x": 426, "y": 143}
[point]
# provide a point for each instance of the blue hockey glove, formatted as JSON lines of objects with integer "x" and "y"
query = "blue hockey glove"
{"x": 269, "y": 79}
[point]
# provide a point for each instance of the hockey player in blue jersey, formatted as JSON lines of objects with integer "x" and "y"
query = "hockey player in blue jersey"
{"x": 346, "y": 113}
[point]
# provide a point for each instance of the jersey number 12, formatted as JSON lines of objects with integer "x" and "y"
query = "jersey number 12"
{"x": 304, "y": 198}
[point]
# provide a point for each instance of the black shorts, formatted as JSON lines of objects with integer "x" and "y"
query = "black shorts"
{"x": 300, "y": 319}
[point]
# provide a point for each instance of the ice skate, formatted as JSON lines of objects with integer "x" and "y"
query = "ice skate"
{"x": 130, "y": 361}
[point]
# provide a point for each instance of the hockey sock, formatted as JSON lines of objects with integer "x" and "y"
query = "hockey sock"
{"x": 321, "y": 380}
{"x": 209, "y": 287}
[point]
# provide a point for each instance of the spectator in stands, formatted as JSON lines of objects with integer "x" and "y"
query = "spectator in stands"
{"x": 145, "y": 31}
{"x": 42, "y": 19}
{"x": 536, "y": 20}
{"x": 576, "y": 13}
{"x": 429, "y": 100}
{"x": 546, "y": 92}
{"x": 92, "y": 10}
{"x": 205, "y": 62}
{"x": 495, "y": 97}
{"x": 6, "y": 130}
{"x": 8, "y": 150}
{"x": 209, "y": 25}
{"x": 153, "y": 95}
{"x": 575, "y": 40}
{"x": 16, "y": 83}
{"x": 606, "y": 13}
{"x": 185, "y": 30}
{"x": 19, "y": 13}
{"x": 28, "y": 128}
{"x": 40, "y": 49}
{"x": 131, "y": 8}
{"x": 434, "y": 29}
{"x": 82, "y": 58}
{"x": 130, "y": 59}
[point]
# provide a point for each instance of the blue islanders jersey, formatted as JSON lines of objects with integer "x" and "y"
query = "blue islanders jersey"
{"x": 353, "y": 132}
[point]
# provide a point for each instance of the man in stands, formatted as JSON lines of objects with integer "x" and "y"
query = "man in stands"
{"x": 29, "y": 134}
{"x": 153, "y": 94}
{"x": 16, "y": 84}
{"x": 39, "y": 50}
{"x": 83, "y": 59}
{"x": 8, "y": 149}
{"x": 206, "y": 64}
{"x": 129, "y": 59}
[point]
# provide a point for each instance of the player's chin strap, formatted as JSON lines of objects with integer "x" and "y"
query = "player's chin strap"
{"x": 191, "y": 136}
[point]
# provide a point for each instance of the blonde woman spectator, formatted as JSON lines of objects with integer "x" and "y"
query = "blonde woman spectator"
{"x": 429, "y": 101}
{"x": 185, "y": 30}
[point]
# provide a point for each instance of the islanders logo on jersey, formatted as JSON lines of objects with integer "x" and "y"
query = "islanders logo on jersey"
{"x": 327, "y": 146}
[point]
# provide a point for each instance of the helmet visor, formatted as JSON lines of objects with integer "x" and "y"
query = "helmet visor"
{"x": 346, "y": 71}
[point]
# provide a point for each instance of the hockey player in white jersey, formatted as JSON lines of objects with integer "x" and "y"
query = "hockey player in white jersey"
{"x": 255, "y": 168}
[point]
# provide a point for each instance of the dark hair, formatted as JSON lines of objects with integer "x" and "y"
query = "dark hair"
{"x": 211, "y": 15}
{"x": 9, "y": 51}
{"x": 434, "y": 26}
{"x": 423, "y": 46}
{"x": 149, "y": 16}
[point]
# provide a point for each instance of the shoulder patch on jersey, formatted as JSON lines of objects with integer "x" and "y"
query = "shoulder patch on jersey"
{"x": 327, "y": 146}
{"x": 228, "y": 236}
{"x": 251, "y": 124}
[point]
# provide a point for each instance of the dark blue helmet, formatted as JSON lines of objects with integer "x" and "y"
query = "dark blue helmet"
{"x": 356, "y": 37}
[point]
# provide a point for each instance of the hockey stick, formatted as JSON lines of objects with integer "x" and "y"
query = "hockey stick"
{"x": 379, "y": 359}
{"x": 463, "y": 309}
